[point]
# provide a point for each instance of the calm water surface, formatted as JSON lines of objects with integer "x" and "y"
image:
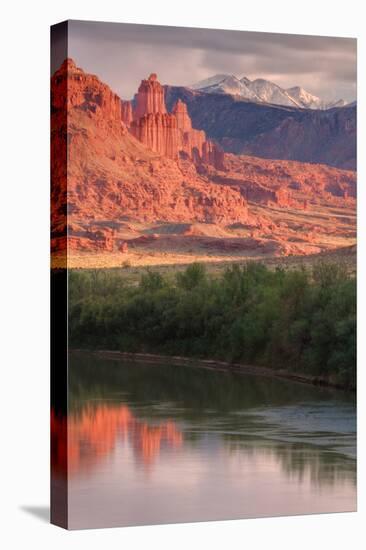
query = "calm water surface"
{"x": 161, "y": 444}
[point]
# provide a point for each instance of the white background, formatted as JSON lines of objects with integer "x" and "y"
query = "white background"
{"x": 24, "y": 272}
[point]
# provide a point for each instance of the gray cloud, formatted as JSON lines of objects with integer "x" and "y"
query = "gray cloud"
{"x": 123, "y": 54}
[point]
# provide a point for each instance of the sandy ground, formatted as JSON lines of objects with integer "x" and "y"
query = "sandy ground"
{"x": 94, "y": 260}
{"x": 171, "y": 264}
{"x": 322, "y": 227}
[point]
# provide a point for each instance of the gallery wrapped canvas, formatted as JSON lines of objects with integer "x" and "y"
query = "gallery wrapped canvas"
{"x": 203, "y": 280}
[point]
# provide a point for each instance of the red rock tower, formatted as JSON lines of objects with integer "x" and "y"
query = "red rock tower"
{"x": 150, "y": 97}
{"x": 181, "y": 113}
{"x": 151, "y": 124}
{"x": 168, "y": 133}
{"x": 159, "y": 132}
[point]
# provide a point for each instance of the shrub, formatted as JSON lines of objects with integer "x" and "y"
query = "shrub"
{"x": 297, "y": 320}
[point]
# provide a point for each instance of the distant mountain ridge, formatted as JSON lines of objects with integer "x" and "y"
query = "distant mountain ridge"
{"x": 264, "y": 91}
{"x": 248, "y": 127}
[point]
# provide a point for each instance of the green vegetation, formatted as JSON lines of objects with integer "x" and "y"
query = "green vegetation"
{"x": 300, "y": 320}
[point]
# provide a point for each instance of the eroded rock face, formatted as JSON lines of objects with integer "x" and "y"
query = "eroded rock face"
{"x": 211, "y": 154}
{"x": 159, "y": 132}
{"x": 150, "y": 98}
{"x": 170, "y": 133}
{"x": 110, "y": 168}
{"x": 288, "y": 184}
{"x": 110, "y": 174}
{"x": 126, "y": 113}
{"x": 123, "y": 247}
{"x": 85, "y": 92}
{"x": 181, "y": 114}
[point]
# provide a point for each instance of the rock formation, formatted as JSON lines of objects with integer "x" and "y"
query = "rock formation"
{"x": 287, "y": 184}
{"x": 192, "y": 140}
{"x": 211, "y": 154}
{"x": 110, "y": 174}
{"x": 170, "y": 133}
{"x": 87, "y": 93}
{"x": 123, "y": 247}
{"x": 118, "y": 176}
{"x": 150, "y": 98}
{"x": 159, "y": 132}
{"x": 126, "y": 113}
{"x": 181, "y": 113}
{"x": 272, "y": 131}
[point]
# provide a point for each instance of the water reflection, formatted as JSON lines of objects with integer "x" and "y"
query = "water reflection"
{"x": 94, "y": 431}
{"x": 157, "y": 443}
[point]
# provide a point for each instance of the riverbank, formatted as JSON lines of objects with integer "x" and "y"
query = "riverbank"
{"x": 216, "y": 365}
{"x": 296, "y": 323}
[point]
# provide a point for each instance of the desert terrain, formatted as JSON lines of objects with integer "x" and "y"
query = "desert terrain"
{"x": 143, "y": 187}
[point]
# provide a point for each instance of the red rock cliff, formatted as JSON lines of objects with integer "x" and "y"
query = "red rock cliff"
{"x": 159, "y": 132}
{"x": 101, "y": 172}
{"x": 85, "y": 92}
{"x": 126, "y": 112}
{"x": 170, "y": 134}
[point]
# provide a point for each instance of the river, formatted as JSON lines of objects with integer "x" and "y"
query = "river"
{"x": 153, "y": 443}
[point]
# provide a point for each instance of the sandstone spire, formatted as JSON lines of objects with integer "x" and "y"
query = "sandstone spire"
{"x": 181, "y": 113}
{"x": 169, "y": 133}
{"x": 159, "y": 132}
{"x": 150, "y": 97}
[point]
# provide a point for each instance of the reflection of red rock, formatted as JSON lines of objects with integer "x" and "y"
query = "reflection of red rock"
{"x": 148, "y": 440}
{"x": 92, "y": 435}
{"x": 58, "y": 445}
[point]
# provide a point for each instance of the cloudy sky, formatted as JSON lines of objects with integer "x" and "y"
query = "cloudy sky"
{"x": 123, "y": 54}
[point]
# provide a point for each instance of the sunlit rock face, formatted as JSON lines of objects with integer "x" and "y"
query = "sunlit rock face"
{"x": 107, "y": 163}
{"x": 159, "y": 132}
{"x": 181, "y": 113}
{"x": 150, "y": 97}
{"x": 126, "y": 112}
{"x": 112, "y": 169}
{"x": 85, "y": 92}
{"x": 170, "y": 133}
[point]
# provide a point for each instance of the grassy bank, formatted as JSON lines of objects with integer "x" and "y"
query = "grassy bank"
{"x": 301, "y": 320}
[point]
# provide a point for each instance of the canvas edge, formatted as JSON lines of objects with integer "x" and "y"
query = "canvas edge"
{"x": 58, "y": 321}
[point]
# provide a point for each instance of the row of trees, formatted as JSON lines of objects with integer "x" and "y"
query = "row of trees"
{"x": 297, "y": 320}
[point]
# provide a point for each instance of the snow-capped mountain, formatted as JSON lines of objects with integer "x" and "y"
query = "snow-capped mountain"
{"x": 339, "y": 103}
{"x": 269, "y": 92}
{"x": 310, "y": 101}
{"x": 306, "y": 99}
{"x": 226, "y": 84}
{"x": 264, "y": 91}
